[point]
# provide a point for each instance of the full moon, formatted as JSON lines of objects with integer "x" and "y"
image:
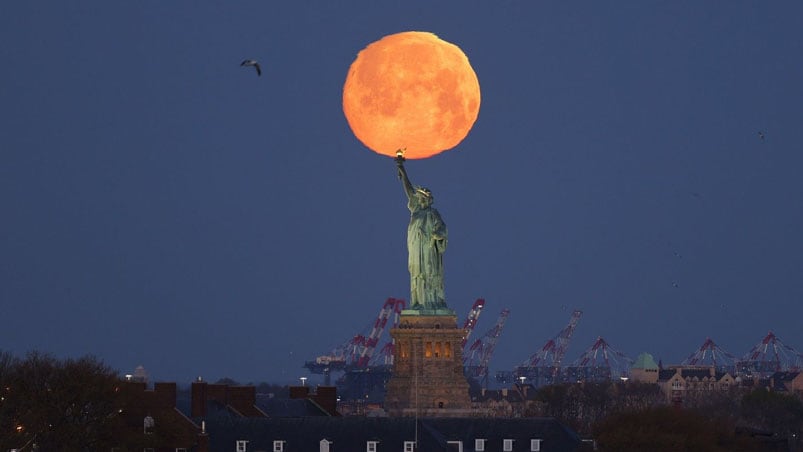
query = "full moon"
{"x": 411, "y": 91}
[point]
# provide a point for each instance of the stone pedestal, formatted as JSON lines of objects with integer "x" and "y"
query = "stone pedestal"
{"x": 427, "y": 377}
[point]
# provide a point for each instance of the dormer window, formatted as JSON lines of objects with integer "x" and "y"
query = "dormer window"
{"x": 409, "y": 446}
{"x": 147, "y": 424}
{"x": 535, "y": 445}
{"x": 242, "y": 445}
{"x": 507, "y": 445}
{"x": 371, "y": 446}
{"x": 479, "y": 444}
{"x": 278, "y": 445}
{"x": 325, "y": 445}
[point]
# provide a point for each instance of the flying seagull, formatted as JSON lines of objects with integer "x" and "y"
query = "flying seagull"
{"x": 761, "y": 135}
{"x": 252, "y": 63}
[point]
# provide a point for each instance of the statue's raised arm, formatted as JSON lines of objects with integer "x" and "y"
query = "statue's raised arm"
{"x": 408, "y": 187}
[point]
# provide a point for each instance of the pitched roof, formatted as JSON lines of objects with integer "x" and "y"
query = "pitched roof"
{"x": 276, "y": 407}
{"x": 666, "y": 374}
{"x": 352, "y": 433}
{"x": 644, "y": 361}
{"x": 785, "y": 375}
{"x": 695, "y": 373}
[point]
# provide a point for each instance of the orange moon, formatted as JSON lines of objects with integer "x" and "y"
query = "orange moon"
{"x": 411, "y": 91}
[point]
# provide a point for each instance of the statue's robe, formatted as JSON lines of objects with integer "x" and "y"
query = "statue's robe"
{"x": 426, "y": 243}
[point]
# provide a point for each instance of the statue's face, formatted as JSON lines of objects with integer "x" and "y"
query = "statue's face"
{"x": 423, "y": 199}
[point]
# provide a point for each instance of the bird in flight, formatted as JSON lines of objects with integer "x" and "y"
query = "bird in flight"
{"x": 761, "y": 135}
{"x": 252, "y": 63}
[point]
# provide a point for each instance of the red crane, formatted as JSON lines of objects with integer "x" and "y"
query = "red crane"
{"x": 477, "y": 356}
{"x": 710, "y": 354}
{"x": 385, "y": 355}
{"x": 551, "y": 354}
{"x": 600, "y": 360}
{"x": 356, "y": 351}
{"x": 471, "y": 319}
{"x": 368, "y": 344}
{"x": 769, "y": 356}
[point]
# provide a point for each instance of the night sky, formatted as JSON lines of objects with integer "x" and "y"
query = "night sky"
{"x": 163, "y": 206}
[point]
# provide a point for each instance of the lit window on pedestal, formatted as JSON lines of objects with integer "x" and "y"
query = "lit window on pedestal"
{"x": 447, "y": 352}
{"x": 437, "y": 349}
{"x": 428, "y": 350}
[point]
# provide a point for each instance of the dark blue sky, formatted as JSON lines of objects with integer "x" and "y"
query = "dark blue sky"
{"x": 163, "y": 206}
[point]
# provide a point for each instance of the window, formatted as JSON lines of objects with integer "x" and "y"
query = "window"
{"x": 447, "y": 350}
{"x": 325, "y": 445}
{"x": 278, "y": 445}
{"x": 437, "y": 349}
{"x": 371, "y": 446}
{"x": 535, "y": 445}
{"x": 242, "y": 445}
{"x": 405, "y": 350}
{"x": 147, "y": 424}
{"x": 507, "y": 445}
{"x": 455, "y": 445}
{"x": 479, "y": 445}
{"x": 428, "y": 350}
{"x": 409, "y": 446}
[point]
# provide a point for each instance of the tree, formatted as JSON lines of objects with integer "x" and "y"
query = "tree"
{"x": 781, "y": 414}
{"x": 58, "y": 405}
{"x": 582, "y": 405}
{"x": 668, "y": 429}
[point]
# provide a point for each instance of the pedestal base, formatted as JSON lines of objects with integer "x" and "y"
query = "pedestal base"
{"x": 427, "y": 377}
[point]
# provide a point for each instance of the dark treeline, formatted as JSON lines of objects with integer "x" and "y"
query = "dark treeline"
{"x": 635, "y": 417}
{"x": 72, "y": 404}
{"x": 53, "y": 404}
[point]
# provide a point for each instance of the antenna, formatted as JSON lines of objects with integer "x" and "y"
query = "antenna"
{"x": 415, "y": 383}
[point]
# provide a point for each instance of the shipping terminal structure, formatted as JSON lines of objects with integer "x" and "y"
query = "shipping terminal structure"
{"x": 362, "y": 368}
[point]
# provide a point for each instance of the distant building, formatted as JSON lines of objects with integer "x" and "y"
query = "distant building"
{"x": 678, "y": 383}
{"x": 155, "y": 423}
{"x": 211, "y": 399}
{"x": 644, "y": 369}
{"x": 791, "y": 382}
{"x": 405, "y": 434}
{"x": 229, "y": 418}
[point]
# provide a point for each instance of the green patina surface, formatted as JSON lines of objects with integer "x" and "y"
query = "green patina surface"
{"x": 426, "y": 242}
{"x": 429, "y": 312}
{"x": 644, "y": 361}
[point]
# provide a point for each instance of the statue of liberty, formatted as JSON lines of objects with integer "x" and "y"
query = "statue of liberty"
{"x": 426, "y": 243}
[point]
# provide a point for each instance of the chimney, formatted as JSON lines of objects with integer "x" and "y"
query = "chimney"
{"x": 326, "y": 397}
{"x": 299, "y": 392}
{"x": 165, "y": 394}
{"x": 198, "y": 400}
